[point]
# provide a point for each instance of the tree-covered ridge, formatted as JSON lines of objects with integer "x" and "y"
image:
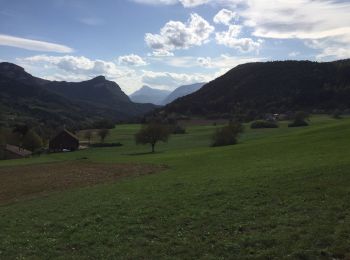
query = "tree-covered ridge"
{"x": 272, "y": 87}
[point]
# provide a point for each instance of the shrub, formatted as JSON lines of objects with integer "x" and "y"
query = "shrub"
{"x": 300, "y": 119}
{"x": 178, "y": 130}
{"x": 263, "y": 124}
{"x": 337, "y": 114}
{"x": 227, "y": 135}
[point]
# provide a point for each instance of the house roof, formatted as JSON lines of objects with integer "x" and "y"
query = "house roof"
{"x": 17, "y": 150}
{"x": 67, "y": 132}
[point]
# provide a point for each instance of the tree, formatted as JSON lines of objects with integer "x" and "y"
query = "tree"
{"x": 152, "y": 134}
{"x": 88, "y": 135}
{"x": 32, "y": 141}
{"x": 227, "y": 135}
{"x": 103, "y": 133}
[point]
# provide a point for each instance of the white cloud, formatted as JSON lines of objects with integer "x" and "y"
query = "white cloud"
{"x": 230, "y": 39}
{"x": 78, "y": 65}
{"x": 34, "y": 45}
{"x": 294, "y": 54}
{"x": 326, "y": 21}
{"x": 72, "y": 68}
{"x": 169, "y": 80}
{"x": 177, "y": 35}
{"x": 225, "y": 17}
{"x": 131, "y": 60}
{"x": 220, "y": 63}
{"x": 193, "y": 3}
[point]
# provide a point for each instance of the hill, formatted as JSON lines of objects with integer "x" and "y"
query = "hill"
{"x": 182, "y": 91}
{"x": 280, "y": 194}
{"x": 25, "y": 98}
{"x": 149, "y": 95}
{"x": 272, "y": 87}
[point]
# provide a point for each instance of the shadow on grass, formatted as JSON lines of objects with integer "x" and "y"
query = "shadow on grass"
{"x": 144, "y": 153}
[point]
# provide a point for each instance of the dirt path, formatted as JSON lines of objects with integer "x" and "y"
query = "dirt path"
{"x": 22, "y": 182}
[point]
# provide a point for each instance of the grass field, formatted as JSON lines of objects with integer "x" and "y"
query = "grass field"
{"x": 279, "y": 194}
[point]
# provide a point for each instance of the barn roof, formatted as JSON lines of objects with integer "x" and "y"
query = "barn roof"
{"x": 67, "y": 132}
{"x": 17, "y": 150}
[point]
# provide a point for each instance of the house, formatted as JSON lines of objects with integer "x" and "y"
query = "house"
{"x": 64, "y": 141}
{"x": 14, "y": 152}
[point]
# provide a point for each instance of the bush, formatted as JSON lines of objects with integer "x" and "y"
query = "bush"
{"x": 178, "y": 130}
{"x": 337, "y": 114}
{"x": 263, "y": 124}
{"x": 300, "y": 119}
{"x": 227, "y": 135}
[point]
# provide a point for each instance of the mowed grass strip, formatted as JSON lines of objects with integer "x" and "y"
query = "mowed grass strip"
{"x": 29, "y": 181}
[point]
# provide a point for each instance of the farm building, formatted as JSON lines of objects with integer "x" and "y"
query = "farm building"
{"x": 64, "y": 141}
{"x": 13, "y": 152}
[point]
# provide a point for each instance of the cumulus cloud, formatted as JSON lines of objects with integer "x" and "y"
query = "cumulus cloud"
{"x": 230, "y": 39}
{"x": 177, "y": 35}
{"x": 131, "y": 60}
{"x": 225, "y": 17}
{"x": 33, "y": 45}
{"x": 77, "y": 65}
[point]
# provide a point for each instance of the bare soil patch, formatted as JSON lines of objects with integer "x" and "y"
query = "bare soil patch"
{"x": 23, "y": 182}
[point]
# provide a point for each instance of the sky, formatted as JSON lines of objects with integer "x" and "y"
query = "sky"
{"x": 167, "y": 43}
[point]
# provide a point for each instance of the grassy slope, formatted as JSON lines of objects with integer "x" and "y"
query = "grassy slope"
{"x": 279, "y": 193}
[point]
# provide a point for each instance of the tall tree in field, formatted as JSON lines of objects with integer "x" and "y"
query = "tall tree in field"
{"x": 103, "y": 133}
{"x": 152, "y": 134}
{"x": 88, "y": 135}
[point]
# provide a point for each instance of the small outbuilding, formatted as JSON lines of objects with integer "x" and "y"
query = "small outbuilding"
{"x": 14, "y": 152}
{"x": 64, "y": 141}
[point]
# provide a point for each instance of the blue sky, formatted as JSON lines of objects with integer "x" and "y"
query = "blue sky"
{"x": 167, "y": 43}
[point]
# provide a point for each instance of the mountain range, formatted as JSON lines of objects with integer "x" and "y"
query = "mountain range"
{"x": 162, "y": 97}
{"x": 272, "y": 87}
{"x": 24, "y": 98}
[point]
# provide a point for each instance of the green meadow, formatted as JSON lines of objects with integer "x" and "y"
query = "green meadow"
{"x": 279, "y": 194}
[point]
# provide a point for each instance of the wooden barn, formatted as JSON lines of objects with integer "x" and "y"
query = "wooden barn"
{"x": 64, "y": 141}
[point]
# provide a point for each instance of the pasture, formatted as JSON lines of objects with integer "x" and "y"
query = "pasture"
{"x": 279, "y": 194}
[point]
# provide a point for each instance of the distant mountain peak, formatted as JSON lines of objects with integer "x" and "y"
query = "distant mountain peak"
{"x": 147, "y": 94}
{"x": 7, "y": 66}
{"x": 99, "y": 78}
